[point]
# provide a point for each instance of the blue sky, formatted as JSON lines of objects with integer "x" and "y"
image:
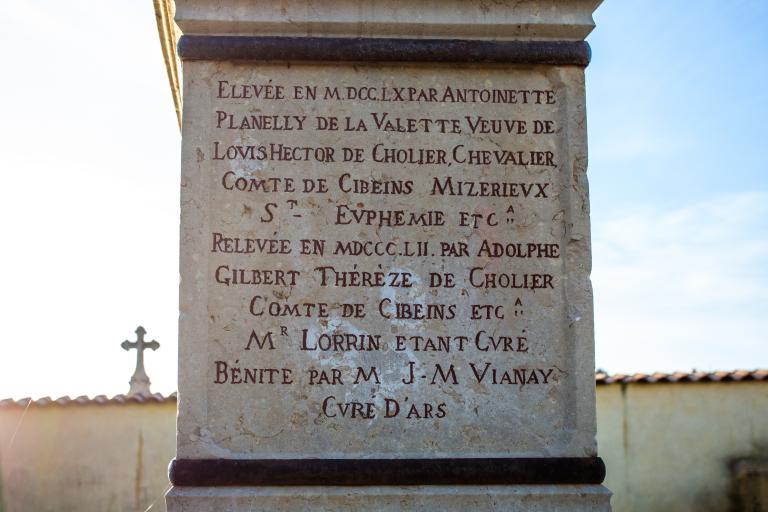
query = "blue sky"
{"x": 677, "y": 109}
{"x": 677, "y": 101}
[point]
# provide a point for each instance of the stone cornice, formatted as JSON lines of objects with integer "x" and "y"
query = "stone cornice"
{"x": 500, "y": 20}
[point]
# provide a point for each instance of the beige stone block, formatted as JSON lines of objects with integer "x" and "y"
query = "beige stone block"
{"x": 543, "y": 498}
{"x": 487, "y": 165}
{"x": 440, "y": 19}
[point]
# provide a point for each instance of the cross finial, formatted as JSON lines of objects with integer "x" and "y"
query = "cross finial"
{"x": 140, "y": 382}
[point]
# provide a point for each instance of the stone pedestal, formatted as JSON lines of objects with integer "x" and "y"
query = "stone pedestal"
{"x": 544, "y": 498}
{"x": 385, "y": 257}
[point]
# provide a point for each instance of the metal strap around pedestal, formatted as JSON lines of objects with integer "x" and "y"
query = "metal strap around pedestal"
{"x": 373, "y": 472}
{"x": 336, "y": 49}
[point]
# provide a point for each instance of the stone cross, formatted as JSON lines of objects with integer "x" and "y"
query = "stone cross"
{"x": 140, "y": 381}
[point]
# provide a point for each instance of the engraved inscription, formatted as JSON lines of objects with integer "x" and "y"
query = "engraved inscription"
{"x": 385, "y": 255}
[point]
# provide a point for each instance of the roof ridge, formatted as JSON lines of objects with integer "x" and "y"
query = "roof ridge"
{"x": 601, "y": 378}
{"x": 86, "y": 400}
{"x": 692, "y": 376}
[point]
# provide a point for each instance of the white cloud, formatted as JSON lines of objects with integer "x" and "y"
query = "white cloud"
{"x": 683, "y": 288}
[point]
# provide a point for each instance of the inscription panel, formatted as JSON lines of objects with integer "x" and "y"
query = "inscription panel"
{"x": 384, "y": 262}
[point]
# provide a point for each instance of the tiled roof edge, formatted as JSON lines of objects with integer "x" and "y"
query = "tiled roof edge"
{"x": 682, "y": 377}
{"x": 601, "y": 378}
{"x": 155, "y": 398}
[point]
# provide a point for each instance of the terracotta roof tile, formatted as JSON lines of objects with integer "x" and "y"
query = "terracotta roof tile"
{"x": 601, "y": 378}
{"x": 718, "y": 376}
{"x": 85, "y": 400}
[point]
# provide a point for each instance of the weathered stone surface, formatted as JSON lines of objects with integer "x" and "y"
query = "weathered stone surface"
{"x": 470, "y": 299}
{"x": 750, "y": 484}
{"x": 481, "y": 499}
{"x": 460, "y": 19}
{"x": 385, "y": 260}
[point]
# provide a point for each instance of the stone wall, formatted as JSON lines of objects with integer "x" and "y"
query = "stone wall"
{"x": 86, "y": 458}
{"x": 667, "y": 447}
{"x": 670, "y": 447}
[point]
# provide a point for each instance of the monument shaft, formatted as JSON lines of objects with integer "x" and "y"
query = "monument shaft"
{"x": 385, "y": 266}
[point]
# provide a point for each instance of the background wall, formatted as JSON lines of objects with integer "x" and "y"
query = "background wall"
{"x": 109, "y": 457}
{"x": 667, "y": 446}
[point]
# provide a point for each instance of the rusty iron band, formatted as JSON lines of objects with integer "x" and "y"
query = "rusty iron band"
{"x": 370, "y": 472}
{"x": 337, "y": 49}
